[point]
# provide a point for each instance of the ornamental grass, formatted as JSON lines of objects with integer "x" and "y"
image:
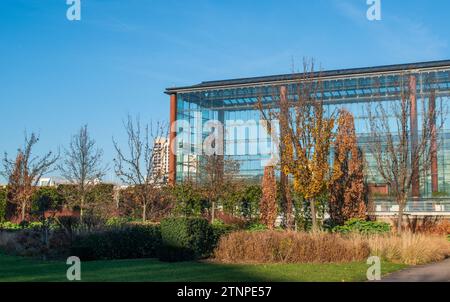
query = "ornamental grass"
{"x": 321, "y": 247}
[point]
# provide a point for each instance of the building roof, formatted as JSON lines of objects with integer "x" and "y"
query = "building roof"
{"x": 328, "y": 73}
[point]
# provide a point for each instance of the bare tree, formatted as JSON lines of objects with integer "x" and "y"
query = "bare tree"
{"x": 217, "y": 177}
{"x": 82, "y": 166}
{"x": 24, "y": 172}
{"x": 403, "y": 151}
{"x": 139, "y": 168}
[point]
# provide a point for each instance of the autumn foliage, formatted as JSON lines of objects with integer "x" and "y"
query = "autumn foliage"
{"x": 307, "y": 148}
{"x": 306, "y": 136}
{"x": 20, "y": 187}
{"x": 347, "y": 183}
{"x": 268, "y": 204}
{"x": 23, "y": 173}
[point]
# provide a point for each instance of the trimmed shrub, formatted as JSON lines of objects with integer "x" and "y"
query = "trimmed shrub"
{"x": 27, "y": 243}
{"x": 289, "y": 247}
{"x": 186, "y": 239}
{"x": 363, "y": 227}
{"x": 139, "y": 241}
{"x": 5, "y": 238}
{"x": 34, "y": 243}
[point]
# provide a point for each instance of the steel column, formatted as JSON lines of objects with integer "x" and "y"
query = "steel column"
{"x": 172, "y": 140}
{"x": 415, "y": 181}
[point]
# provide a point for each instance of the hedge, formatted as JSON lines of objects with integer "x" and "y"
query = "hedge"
{"x": 176, "y": 239}
{"x": 186, "y": 239}
{"x": 139, "y": 241}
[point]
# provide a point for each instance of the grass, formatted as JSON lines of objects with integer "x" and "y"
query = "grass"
{"x": 14, "y": 269}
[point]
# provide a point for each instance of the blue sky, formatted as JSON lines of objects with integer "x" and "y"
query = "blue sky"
{"x": 123, "y": 53}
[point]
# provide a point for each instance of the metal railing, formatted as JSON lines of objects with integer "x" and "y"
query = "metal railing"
{"x": 424, "y": 205}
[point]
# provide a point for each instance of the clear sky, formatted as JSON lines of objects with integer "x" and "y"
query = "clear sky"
{"x": 56, "y": 75}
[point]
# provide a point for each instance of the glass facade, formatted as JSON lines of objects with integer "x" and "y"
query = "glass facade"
{"x": 231, "y": 101}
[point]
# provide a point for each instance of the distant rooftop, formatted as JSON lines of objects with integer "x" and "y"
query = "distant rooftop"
{"x": 328, "y": 73}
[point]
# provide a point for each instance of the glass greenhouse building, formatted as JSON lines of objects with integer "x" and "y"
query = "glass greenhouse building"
{"x": 353, "y": 89}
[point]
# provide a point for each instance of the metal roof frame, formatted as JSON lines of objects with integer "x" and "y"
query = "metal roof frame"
{"x": 286, "y": 78}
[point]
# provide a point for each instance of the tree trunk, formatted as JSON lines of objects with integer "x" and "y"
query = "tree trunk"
{"x": 213, "y": 211}
{"x": 289, "y": 208}
{"x": 313, "y": 214}
{"x": 24, "y": 207}
{"x": 144, "y": 212}
{"x": 81, "y": 208}
{"x": 401, "y": 206}
{"x": 286, "y": 201}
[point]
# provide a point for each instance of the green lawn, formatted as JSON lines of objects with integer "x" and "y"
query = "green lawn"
{"x": 24, "y": 269}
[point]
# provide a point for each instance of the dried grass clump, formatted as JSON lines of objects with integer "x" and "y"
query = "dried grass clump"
{"x": 289, "y": 247}
{"x": 292, "y": 247}
{"x": 409, "y": 248}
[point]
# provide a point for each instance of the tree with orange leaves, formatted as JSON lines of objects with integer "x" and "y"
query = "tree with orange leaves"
{"x": 347, "y": 186}
{"x": 21, "y": 188}
{"x": 268, "y": 204}
{"x": 306, "y": 155}
{"x": 24, "y": 174}
{"x": 307, "y": 135}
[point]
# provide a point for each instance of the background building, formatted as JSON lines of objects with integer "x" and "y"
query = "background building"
{"x": 161, "y": 159}
{"x": 48, "y": 182}
{"x": 352, "y": 89}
